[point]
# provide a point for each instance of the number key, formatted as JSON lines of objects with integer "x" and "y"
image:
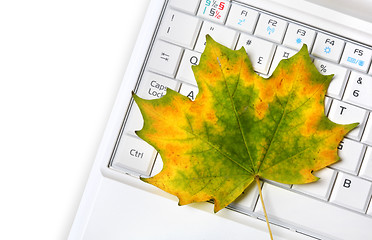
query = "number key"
{"x": 351, "y": 154}
{"x": 225, "y": 36}
{"x": 359, "y": 90}
{"x": 179, "y": 28}
{"x": 337, "y": 86}
{"x": 260, "y": 52}
{"x": 215, "y": 10}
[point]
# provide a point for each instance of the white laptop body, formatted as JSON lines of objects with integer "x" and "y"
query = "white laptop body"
{"x": 116, "y": 205}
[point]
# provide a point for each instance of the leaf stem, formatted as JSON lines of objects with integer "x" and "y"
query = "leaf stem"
{"x": 263, "y": 206}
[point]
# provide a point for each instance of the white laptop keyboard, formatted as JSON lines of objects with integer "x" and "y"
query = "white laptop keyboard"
{"x": 344, "y": 191}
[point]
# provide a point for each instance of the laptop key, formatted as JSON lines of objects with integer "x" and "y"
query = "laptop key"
{"x": 328, "y": 47}
{"x": 154, "y": 86}
{"x": 185, "y": 72}
{"x": 271, "y": 28}
{"x": 219, "y": 33}
{"x": 337, "y": 86}
{"x": 134, "y": 121}
{"x": 308, "y": 214}
{"x": 158, "y": 165}
{"x": 242, "y": 18}
{"x": 189, "y": 91}
{"x": 247, "y": 200}
{"x": 179, "y": 28}
{"x": 280, "y": 53}
{"x": 214, "y": 10}
{"x": 359, "y": 90}
{"x": 367, "y": 135}
{"x": 366, "y": 169}
{"x": 164, "y": 58}
{"x": 134, "y": 154}
{"x": 260, "y": 52}
{"x": 344, "y": 113}
{"x": 297, "y": 35}
{"x": 327, "y": 104}
{"x": 356, "y": 57}
{"x": 351, "y": 154}
{"x": 189, "y": 6}
{"x": 351, "y": 192}
{"x": 321, "y": 188}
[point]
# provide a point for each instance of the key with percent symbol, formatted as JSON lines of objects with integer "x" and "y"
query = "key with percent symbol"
{"x": 323, "y": 68}
{"x": 337, "y": 85}
{"x": 215, "y": 10}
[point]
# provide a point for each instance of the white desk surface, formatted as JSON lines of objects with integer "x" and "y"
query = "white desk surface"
{"x": 61, "y": 63}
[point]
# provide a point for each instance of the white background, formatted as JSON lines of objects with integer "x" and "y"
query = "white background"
{"x": 61, "y": 64}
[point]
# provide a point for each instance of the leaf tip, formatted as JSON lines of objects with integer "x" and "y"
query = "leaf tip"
{"x": 304, "y": 48}
{"x": 143, "y": 179}
{"x": 208, "y": 38}
{"x": 135, "y": 97}
{"x": 216, "y": 208}
{"x": 352, "y": 126}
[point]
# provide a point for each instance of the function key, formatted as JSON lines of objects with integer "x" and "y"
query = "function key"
{"x": 297, "y": 35}
{"x": 356, "y": 57}
{"x": 271, "y": 28}
{"x": 328, "y": 47}
{"x": 242, "y": 18}
{"x": 215, "y": 10}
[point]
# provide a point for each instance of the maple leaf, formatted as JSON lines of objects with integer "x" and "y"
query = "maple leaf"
{"x": 241, "y": 127}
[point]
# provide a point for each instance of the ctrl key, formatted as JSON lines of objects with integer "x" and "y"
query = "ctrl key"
{"x": 134, "y": 154}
